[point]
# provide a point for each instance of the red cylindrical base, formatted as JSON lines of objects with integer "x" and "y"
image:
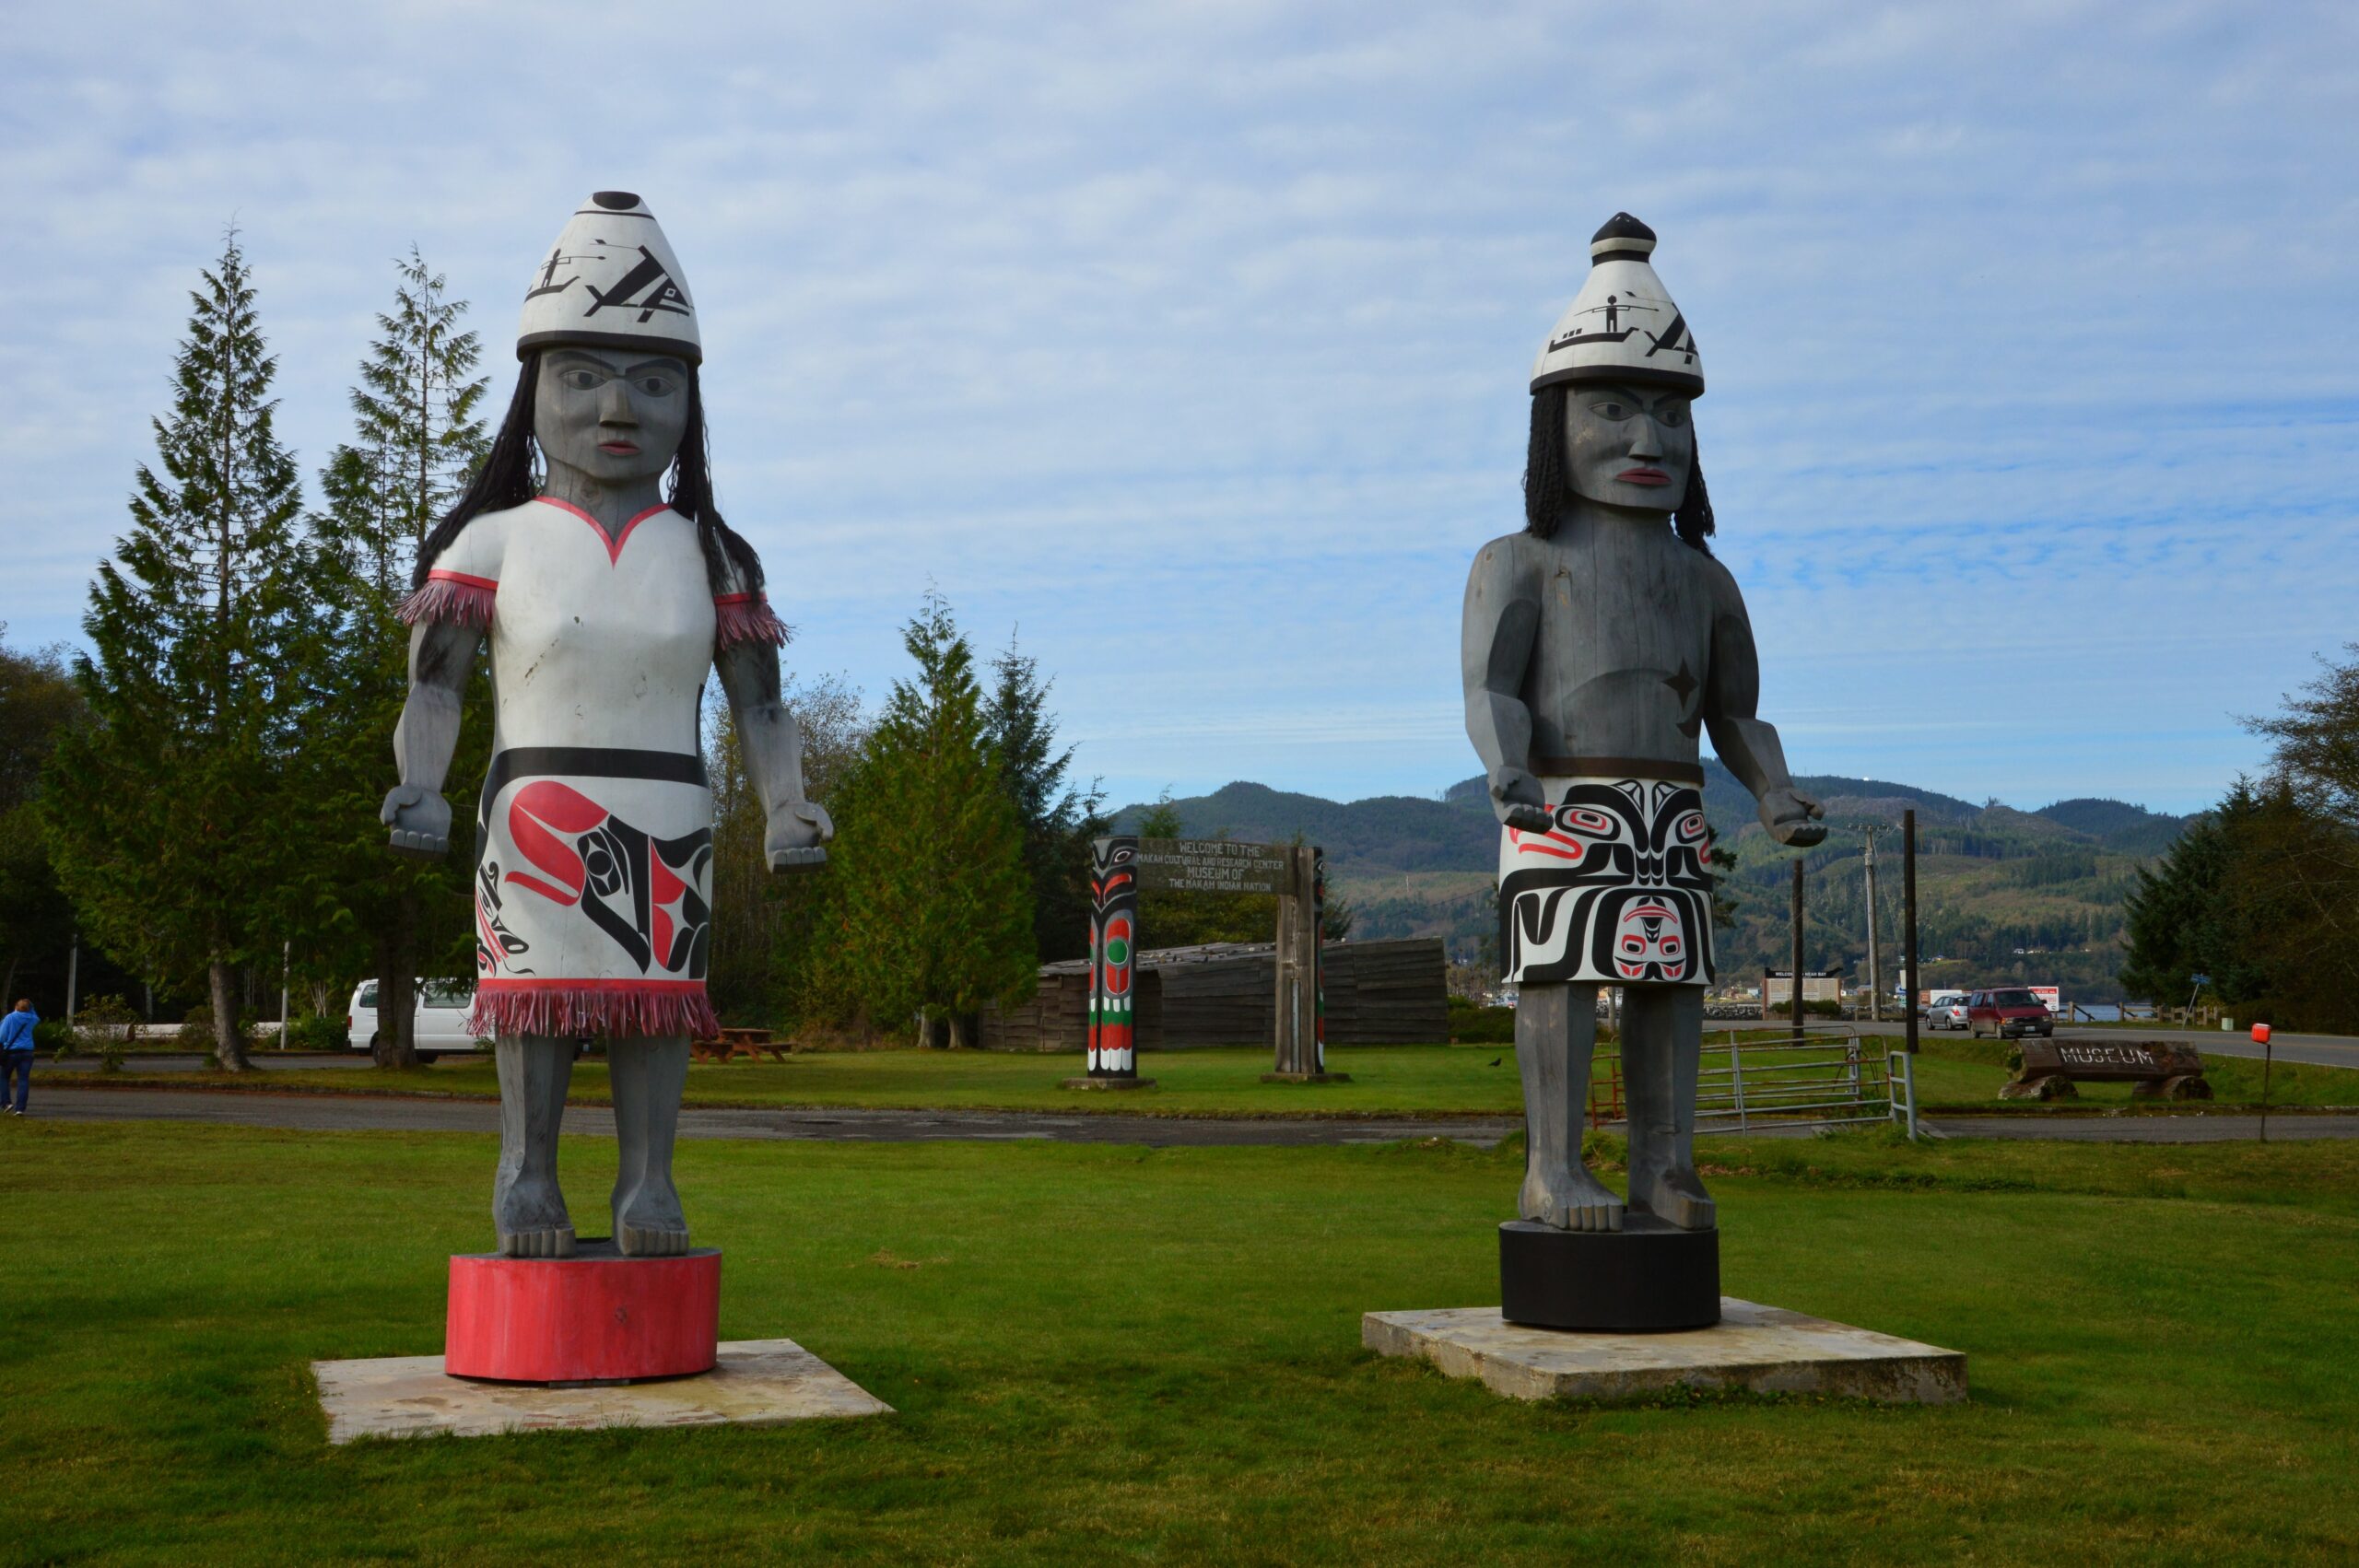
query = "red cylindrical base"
{"x": 594, "y": 1318}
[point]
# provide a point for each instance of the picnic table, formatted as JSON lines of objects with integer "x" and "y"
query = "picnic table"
{"x": 753, "y": 1044}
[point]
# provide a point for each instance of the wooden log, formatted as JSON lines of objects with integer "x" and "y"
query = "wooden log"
{"x": 2114, "y": 1061}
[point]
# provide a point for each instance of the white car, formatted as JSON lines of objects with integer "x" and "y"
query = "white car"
{"x": 1950, "y": 1014}
{"x": 441, "y": 1018}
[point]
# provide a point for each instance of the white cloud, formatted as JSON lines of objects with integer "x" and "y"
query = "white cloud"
{"x": 1193, "y": 338}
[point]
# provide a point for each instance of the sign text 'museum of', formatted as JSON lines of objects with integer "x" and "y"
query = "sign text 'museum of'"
{"x": 1214, "y": 865}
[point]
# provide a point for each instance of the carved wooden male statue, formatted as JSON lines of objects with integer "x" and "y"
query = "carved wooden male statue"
{"x": 1598, "y": 644}
{"x": 607, "y": 605}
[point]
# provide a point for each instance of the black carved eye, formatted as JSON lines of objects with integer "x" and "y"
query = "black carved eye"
{"x": 602, "y": 864}
{"x": 579, "y": 379}
{"x": 654, "y": 384}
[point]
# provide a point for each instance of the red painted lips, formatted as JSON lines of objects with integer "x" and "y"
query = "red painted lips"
{"x": 1643, "y": 477}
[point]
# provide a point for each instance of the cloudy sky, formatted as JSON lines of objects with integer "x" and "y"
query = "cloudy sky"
{"x": 1186, "y": 343}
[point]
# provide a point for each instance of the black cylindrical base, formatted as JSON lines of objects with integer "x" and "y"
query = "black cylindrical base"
{"x": 1649, "y": 1276}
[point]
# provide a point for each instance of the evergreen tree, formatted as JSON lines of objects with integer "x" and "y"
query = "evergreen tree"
{"x": 1059, "y": 821}
{"x": 765, "y": 927}
{"x": 176, "y": 828}
{"x": 38, "y": 700}
{"x": 930, "y": 913}
{"x": 2180, "y": 921}
{"x": 417, "y": 438}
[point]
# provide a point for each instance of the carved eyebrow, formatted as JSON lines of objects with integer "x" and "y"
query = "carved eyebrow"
{"x": 607, "y": 362}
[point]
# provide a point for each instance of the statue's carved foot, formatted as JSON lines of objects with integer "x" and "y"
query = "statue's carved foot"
{"x": 558, "y": 1243}
{"x": 649, "y": 1223}
{"x": 1677, "y": 1197}
{"x": 1570, "y": 1201}
{"x": 530, "y": 1215}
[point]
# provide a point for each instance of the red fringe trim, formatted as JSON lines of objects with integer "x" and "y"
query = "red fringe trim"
{"x": 444, "y": 599}
{"x": 610, "y": 1012}
{"x": 744, "y": 617}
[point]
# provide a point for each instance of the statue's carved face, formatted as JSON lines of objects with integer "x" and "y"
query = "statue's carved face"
{"x": 1629, "y": 446}
{"x": 615, "y": 415}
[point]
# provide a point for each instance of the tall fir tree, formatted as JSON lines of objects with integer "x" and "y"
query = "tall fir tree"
{"x": 417, "y": 438}
{"x": 2180, "y": 920}
{"x": 38, "y": 701}
{"x": 1057, "y": 821}
{"x": 930, "y": 913}
{"x": 175, "y": 817}
{"x": 765, "y": 926}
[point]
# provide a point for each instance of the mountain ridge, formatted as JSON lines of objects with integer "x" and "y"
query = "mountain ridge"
{"x": 2004, "y": 894}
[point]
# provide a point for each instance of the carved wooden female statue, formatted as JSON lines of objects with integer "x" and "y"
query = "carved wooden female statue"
{"x": 607, "y": 605}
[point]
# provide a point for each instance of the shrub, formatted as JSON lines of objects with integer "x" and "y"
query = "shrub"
{"x": 317, "y": 1032}
{"x": 1481, "y": 1025}
{"x": 102, "y": 1028}
{"x": 52, "y": 1035}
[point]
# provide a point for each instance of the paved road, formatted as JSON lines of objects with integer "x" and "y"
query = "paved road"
{"x": 325, "y": 1113}
{"x": 141, "y": 1062}
{"x": 2324, "y": 1050}
{"x": 2146, "y": 1128}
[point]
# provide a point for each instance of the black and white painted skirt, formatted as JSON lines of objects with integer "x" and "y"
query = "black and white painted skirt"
{"x": 1616, "y": 891}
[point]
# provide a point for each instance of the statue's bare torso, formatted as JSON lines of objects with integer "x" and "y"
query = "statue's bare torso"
{"x": 1614, "y": 624}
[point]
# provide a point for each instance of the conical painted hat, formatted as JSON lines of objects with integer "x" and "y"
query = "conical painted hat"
{"x": 611, "y": 282}
{"x": 1623, "y": 326}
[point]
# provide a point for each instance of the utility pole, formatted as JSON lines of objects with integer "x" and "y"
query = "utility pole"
{"x": 1908, "y": 919}
{"x": 73, "y": 977}
{"x": 1875, "y": 968}
{"x": 1795, "y": 995}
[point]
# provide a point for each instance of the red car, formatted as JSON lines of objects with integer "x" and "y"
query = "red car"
{"x": 2008, "y": 1013}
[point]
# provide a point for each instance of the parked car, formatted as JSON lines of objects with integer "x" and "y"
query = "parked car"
{"x": 1950, "y": 1014}
{"x": 441, "y": 1027}
{"x": 2005, "y": 1014}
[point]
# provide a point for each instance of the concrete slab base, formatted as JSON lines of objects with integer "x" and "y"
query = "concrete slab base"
{"x": 756, "y": 1383}
{"x": 1103, "y": 1083}
{"x": 1765, "y": 1349}
{"x": 1306, "y": 1078}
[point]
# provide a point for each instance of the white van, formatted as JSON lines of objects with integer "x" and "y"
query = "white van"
{"x": 441, "y": 1018}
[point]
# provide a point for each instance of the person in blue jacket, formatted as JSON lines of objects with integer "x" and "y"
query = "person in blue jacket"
{"x": 16, "y": 1054}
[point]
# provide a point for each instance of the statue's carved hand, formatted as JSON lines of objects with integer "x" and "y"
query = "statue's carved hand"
{"x": 420, "y": 820}
{"x": 1518, "y": 800}
{"x": 799, "y": 829}
{"x": 1792, "y": 817}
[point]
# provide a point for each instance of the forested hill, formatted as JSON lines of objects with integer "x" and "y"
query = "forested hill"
{"x": 1991, "y": 879}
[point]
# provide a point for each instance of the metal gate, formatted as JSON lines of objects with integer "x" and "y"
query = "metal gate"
{"x": 1836, "y": 1077}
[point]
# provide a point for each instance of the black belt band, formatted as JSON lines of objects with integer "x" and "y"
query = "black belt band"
{"x": 589, "y": 762}
{"x": 1618, "y": 767}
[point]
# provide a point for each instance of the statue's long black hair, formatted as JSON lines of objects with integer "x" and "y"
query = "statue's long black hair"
{"x": 506, "y": 479}
{"x": 1548, "y": 480}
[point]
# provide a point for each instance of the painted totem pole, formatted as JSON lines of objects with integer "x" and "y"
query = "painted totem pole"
{"x": 1113, "y": 959}
{"x": 607, "y": 604}
{"x": 1599, "y": 644}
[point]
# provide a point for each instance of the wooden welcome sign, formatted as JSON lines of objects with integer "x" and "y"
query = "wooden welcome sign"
{"x": 1122, "y": 868}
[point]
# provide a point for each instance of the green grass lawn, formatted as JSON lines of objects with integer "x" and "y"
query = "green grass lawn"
{"x": 1104, "y": 1353}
